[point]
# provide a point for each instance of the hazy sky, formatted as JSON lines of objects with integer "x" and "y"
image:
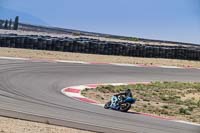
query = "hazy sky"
{"x": 177, "y": 20}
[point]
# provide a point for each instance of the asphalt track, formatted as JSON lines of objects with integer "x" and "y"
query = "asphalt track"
{"x": 31, "y": 91}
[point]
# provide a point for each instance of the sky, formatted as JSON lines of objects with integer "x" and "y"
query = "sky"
{"x": 174, "y": 20}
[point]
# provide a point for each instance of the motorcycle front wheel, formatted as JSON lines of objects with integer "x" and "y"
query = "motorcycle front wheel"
{"x": 107, "y": 105}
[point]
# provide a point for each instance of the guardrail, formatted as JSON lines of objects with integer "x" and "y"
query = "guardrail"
{"x": 30, "y": 27}
{"x": 95, "y": 46}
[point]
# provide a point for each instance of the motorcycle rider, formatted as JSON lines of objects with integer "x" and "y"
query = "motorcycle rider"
{"x": 127, "y": 93}
{"x": 115, "y": 101}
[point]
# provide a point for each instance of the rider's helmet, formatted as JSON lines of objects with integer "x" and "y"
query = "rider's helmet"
{"x": 128, "y": 92}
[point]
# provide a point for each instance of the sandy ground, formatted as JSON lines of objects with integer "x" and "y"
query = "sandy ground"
{"x": 9, "y": 125}
{"x": 11, "y": 52}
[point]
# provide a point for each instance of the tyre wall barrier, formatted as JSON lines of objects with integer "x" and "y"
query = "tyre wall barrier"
{"x": 95, "y": 46}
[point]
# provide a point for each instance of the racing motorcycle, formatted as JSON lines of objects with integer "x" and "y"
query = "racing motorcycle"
{"x": 120, "y": 103}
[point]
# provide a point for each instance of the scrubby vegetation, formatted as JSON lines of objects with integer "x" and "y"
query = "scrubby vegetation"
{"x": 173, "y": 99}
{"x": 133, "y": 39}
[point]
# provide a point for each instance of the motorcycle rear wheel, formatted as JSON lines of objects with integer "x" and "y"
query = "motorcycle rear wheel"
{"x": 125, "y": 107}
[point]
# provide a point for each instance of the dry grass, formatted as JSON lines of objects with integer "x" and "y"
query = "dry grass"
{"x": 11, "y": 52}
{"x": 171, "y": 99}
{"x": 9, "y": 125}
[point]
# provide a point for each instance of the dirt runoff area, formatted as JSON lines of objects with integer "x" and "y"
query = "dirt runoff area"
{"x": 176, "y": 100}
{"x": 12, "y": 52}
{"x": 9, "y": 125}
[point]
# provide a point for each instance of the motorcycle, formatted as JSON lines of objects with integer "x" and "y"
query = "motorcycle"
{"x": 122, "y": 104}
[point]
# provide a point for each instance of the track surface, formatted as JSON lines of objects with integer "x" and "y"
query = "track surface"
{"x": 34, "y": 88}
